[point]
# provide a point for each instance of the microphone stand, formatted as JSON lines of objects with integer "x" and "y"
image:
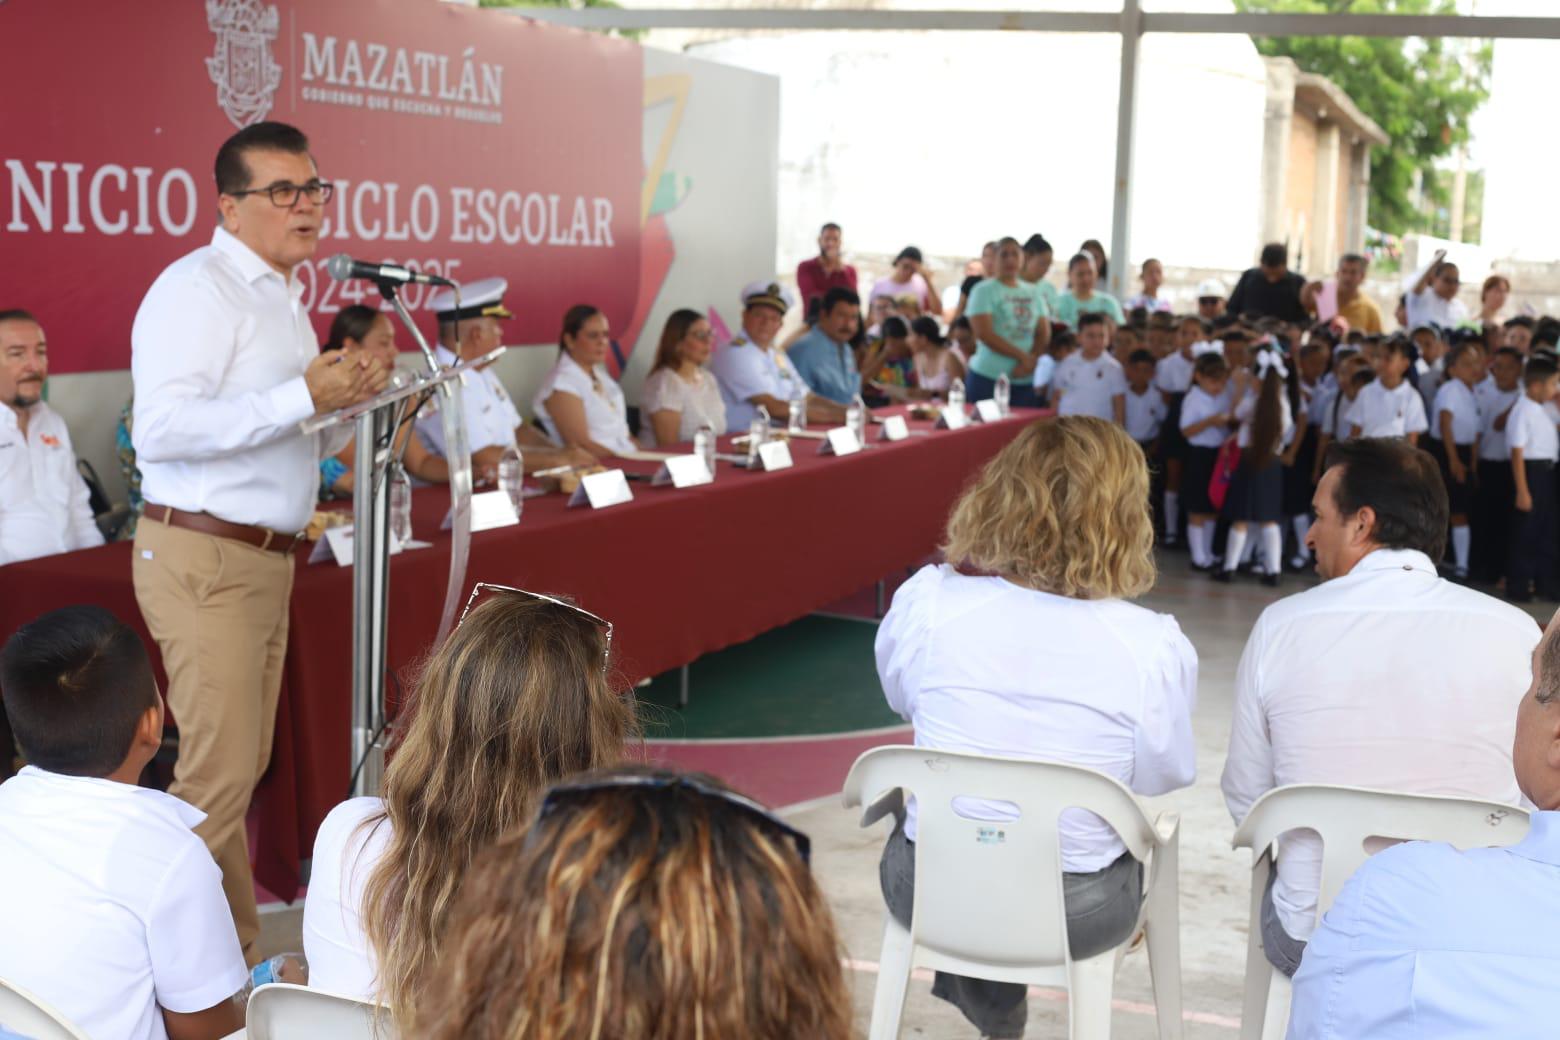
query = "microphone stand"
{"x": 377, "y": 422}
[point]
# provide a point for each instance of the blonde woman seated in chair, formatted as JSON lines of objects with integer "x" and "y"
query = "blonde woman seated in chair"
{"x": 1023, "y": 646}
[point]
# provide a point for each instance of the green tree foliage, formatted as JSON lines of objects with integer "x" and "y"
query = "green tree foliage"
{"x": 1420, "y": 92}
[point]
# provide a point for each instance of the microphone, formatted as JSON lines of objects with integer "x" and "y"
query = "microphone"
{"x": 343, "y": 268}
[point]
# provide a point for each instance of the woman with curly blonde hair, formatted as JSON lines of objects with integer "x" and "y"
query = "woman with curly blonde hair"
{"x": 641, "y": 905}
{"x": 518, "y": 697}
{"x": 1022, "y": 645}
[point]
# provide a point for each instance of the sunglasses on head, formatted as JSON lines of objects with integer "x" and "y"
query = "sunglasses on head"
{"x": 561, "y": 793}
{"x": 484, "y": 586}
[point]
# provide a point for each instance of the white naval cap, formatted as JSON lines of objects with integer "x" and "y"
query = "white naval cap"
{"x": 1210, "y": 287}
{"x": 483, "y": 298}
{"x": 768, "y": 293}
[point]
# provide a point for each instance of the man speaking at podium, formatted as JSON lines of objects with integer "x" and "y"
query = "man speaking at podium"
{"x": 225, "y": 365}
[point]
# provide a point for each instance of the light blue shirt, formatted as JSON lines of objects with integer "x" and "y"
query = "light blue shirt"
{"x": 1425, "y": 941}
{"x": 826, "y": 366}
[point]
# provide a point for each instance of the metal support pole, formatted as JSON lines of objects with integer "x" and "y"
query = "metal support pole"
{"x": 370, "y": 595}
{"x": 1126, "y": 115}
{"x": 682, "y": 687}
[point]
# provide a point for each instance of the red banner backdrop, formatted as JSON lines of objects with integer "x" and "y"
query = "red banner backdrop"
{"x": 467, "y": 143}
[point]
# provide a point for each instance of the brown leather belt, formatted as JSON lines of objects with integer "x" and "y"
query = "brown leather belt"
{"x": 205, "y": 523}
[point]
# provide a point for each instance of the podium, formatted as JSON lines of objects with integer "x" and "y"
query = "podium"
{"x": 378, "y": 422}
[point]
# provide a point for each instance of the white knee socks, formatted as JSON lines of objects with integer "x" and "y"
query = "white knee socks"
{"x": 1272, "y": 547}
{"x": 1234, "y": 548}
{"x": 1197, "y": 541}
{"x": 1301, "y": 524}
{"x": 1460, "y": 543}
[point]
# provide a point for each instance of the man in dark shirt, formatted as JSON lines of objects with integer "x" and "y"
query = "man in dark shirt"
{"x": 827, "y": 270}
{"x": 1270, "y": 290}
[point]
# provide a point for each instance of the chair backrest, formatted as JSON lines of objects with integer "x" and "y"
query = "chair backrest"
{"x": 988, "y": 891}
{"x": 26, "y": 1015}
{"x": 1347, "y": 818}
{"x": 282, "y": 1011}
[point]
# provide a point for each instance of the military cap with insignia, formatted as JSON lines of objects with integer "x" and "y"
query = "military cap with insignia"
{"x": 483, "y": 298}
{"x": 766, "y": 293}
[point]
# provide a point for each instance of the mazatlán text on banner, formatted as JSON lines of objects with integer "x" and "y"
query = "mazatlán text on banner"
{"x": 462, "y": 142}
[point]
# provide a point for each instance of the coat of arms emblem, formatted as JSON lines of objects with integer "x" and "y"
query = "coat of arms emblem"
{"x": 242, "y": 67}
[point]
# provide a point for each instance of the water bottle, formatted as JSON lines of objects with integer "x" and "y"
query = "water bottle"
{"x": 704, "y": 446}
{"x": 956, "y": 394}
{"x": 758, "y": 430}
{"x": 511, "y": 477}
{"x": 400, "y": 504}
{"x": 856, "y": 418}
{"x": 1003, "y": 393}
{"x": 798, "y": 418}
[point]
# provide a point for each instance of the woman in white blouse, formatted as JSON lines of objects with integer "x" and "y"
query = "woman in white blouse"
{"x": 519, "y": 697}
{"x": 1024, "y": 645}
{"x": 680, "y": 394}
{"x": 579, "y": 403}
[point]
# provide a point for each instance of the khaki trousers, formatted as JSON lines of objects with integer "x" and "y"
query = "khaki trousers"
{"x": 218, "y": 610}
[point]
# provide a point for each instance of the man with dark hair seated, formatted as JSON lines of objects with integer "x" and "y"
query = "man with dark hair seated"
{"x": 1384, "y": 676}
{"x": 113, "y": 910}
{"x": 1427, "y": 941}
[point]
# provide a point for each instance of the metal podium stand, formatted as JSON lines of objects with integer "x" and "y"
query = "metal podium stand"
{"x": 377, "y": 423}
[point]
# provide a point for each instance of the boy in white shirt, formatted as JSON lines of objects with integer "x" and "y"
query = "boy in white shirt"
{"x": 1534, "y": 445}
{"x": 1091, "y": 382}
{"x": 113, "y": 908}
{"x": 1146, "y": 408}
{"x": 1457, "y": 423}
{"x": 1389, "y": 407}
{"x": 1494, "y": 492}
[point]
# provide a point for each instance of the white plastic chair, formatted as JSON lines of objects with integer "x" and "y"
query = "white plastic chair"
{"x": 21, "y": 1012}
{"x": 282, "y": 1011}
{"x": 1346, "y": 818}
{"x": 988, "y": 896}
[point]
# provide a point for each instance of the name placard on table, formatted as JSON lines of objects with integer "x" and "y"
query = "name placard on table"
{"x": 601, "y": 490}
{"x": 894, "y": 428}
{"x": 683, "y": 471}
{"x": 988, "y": 411}
{"x": 842, "y": 440}
{"x": 953, "y": 418}
{"x": 773, "y": 455}
{"x": 337, "y": 545}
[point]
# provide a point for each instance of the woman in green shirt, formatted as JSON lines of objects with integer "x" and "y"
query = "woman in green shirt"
{"x": 1012, "y": 327}
{"x": 1082, "y": 297}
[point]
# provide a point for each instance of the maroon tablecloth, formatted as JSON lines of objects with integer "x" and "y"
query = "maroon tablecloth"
{"x": 680, "y": 573}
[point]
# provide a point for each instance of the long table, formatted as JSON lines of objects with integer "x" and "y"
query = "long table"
{"x": 680, "y": 573}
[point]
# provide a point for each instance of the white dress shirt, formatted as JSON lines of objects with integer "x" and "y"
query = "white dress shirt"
{"x": 1380, "y": 412}
{"x": 217, "y": 353}
{"x": 744, "y": 370}
{"x": 606, "y": 412}
{"x": 1427, "y": 308}
{"x": 335, "y": 943}
{"x": 1173, "y": 373}
{"x": 1456, "y": 397}
{"x": 696, "y": 403}
{"x": 1493, "y": 403}
{"x": 491, "y": 417}
{"x": 1199, "y": 405}
{"x": 1089, "y": 386}
{"x": 981, "y": 665}
{"x": 1388, "y": 677}
{"x": 1146, "y": 413}
{"x": 112, "y": 907}
{"x": 44, "y": 506}
{"x": 1530, "y": 428}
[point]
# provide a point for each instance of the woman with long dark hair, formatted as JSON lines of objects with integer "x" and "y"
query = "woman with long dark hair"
{"x": 1256, "y": 494}
{"x": 680, "y": 394}
{"x": 579, "y": 402}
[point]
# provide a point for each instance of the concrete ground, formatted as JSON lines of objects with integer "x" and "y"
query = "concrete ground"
{"x": 1214, "y": 878}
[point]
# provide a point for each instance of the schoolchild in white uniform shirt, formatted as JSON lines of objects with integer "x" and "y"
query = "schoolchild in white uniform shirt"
{"x": 1256, "y": 494}
{"x": 1173, "y": 377}
{"x": 1390, "y": 406}
{"x": 113, "y": 908}
{"x": 1146, "y": 409}
{"x": 1496, "y": 490}
{"x": 1205, "y": 423}
{"x": 1457, "y": 420}
{"x": 1091, "y": 382}
{"x": 1534, "y": 447}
